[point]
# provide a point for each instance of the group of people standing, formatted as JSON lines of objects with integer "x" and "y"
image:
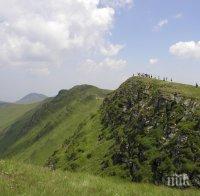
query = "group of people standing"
{"x": 151, "y": 76}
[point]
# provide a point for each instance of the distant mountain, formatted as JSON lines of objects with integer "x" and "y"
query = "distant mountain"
{"x": 2, "y": 103}
{"x": 32, "y": 98}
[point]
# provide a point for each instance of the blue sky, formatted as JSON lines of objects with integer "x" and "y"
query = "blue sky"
{"x": 134, "y": 27}
{"x": 48, "y": 48}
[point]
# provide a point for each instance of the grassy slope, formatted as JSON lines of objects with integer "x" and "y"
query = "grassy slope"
{"x": 50, "y": 125}
{"x": 11, "y": 112}
{"x": 85, "y": 150}
{"x": 185, "y": 90}
{"x": 20, "y": 179}
{"x": 41, "y": 149}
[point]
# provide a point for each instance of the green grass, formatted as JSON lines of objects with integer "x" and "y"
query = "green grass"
{"x": 42, "y": 148}
{"x": 185, "y": 90}
{"x": 35, "y": 137}
{"x": 19, "y": 179}
{"x": 83, "y": 151}
{"x": 11, "y": 112}
{"x": 68, "y": 131}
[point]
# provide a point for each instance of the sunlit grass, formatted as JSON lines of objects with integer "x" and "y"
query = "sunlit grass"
{"x": 20, "y": 179}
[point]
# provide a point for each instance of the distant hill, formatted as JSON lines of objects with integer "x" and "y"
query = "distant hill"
{"x": 2, "y": 103}
{"x": 32, "y": 98}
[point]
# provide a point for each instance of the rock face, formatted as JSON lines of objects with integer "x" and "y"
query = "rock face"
{"x": 156, "y": 133}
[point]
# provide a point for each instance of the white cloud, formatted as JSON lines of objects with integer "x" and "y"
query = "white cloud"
{"x": 153, "y": 61}
{"x": 117, "y": 3}
{"x": 113, "y": 64}
{"x": 39, "y": 71}
{"x": 51, "y": 33}
{"x": 178, "y": 16}
{"x": 160, "y": 24}
{"x": 163, "y": 22}
{"x": 186, "y": 49}
{"x": 111, "y": 50}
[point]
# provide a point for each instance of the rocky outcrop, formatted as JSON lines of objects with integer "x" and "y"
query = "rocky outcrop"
{"x": 156, "y": 134}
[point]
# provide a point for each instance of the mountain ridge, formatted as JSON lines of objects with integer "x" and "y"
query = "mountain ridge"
{"x": 142, "y": 132}
{"x": 134, "y": 132}
{"x": 47, "y": 124}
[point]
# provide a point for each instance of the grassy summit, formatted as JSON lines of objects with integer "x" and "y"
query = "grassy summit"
{"x": 185, "y": 90}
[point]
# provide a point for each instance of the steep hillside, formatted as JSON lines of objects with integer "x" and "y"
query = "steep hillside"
{"x": 85, "y": 150}
{"x": 155, "y": 129}
{"x": 20, "y": 179}
{"x": 146, "y": 130}
{"x": 35, "y": 136}
{"x": 9, "y": 113}
{"x": 32, "y": 98}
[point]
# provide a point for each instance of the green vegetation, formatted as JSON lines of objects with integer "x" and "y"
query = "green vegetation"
{"x": 9, "y": 113}
{"x": 19, "y": 179}
{"x": 35, "y": 136}
{"x": 143, "y": 132}
{"x": 155, "y": 130}
{"x": 84, "y": 150}
{"x": 184, "y": 90}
